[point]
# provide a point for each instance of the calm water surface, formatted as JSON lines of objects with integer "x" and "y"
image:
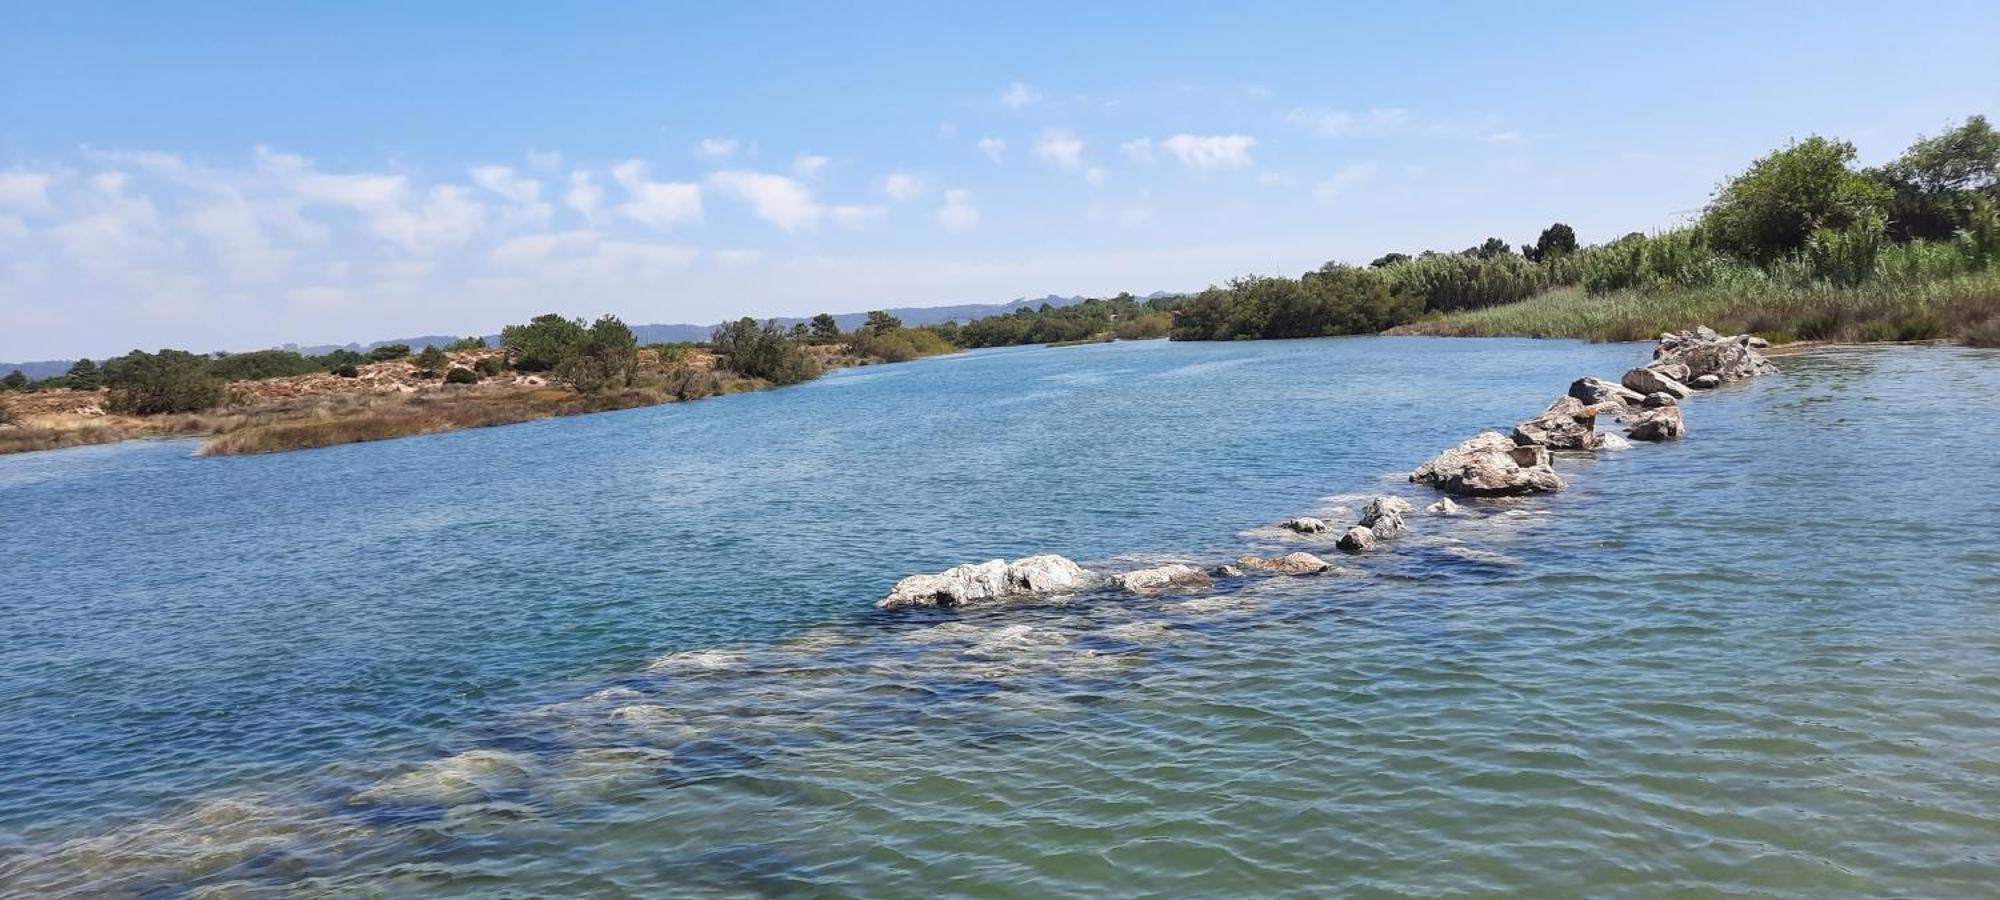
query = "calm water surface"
{"x": 635, "y": 653}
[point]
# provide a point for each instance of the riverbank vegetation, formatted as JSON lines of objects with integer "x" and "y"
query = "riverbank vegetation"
{"x": 1802, "y": 245}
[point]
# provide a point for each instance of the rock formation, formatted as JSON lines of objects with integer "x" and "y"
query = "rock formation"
{"x": 991, "y": 580}
{"x": 1490, "y": 464}
{"x": 1159, "y": 579}
{"x": 1304, "y": 525}
{"x": 1659, "y": 420}
{"x": 1299, "y": 563}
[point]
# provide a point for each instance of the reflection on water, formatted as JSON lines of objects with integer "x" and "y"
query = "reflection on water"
{"x": 635, "y": 652}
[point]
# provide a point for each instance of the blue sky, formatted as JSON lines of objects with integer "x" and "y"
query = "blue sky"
{"x": 229, "y": 176}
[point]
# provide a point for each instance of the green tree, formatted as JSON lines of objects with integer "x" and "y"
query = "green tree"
{"x": 1772, "y": 208}
{"x": 84, "y": 375}
{"x": 1942, "y": 183}
{"x": 608, "y": 355}
{"x": 824, "y": 328}
{"x": 432, "y": 360}
{"x": 388, "y": 352}
{"x": 544, "y": 342}
{"x": 15, "y": 381}
{"x": 1556, "y": 241}
{"x": 467, "y": 343}
{"x": 763, "y": 352}
{"x": 1491, "y": 248}
{"x": 879, "y": 321}
{"x": 1388, "y": 259}
{"x": 169, "y": 381}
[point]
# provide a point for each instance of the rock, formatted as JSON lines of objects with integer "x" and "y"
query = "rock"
{"x": 1300, "y": 563}
{"x": 1357, "y": 539}
{"x": 991, "y": 580}
{"x": 1612, "y": 441}
{"x": 1657, "y": 401}
{"x": 1174, "y": 577}
{"x": 1227, "y": 571}
{"x": 1383, "y": 516}
{"x": 1706, "y": 382}
{"x": 1568, "y": 424}
{"x": 1652, "y": 381}
{"x": 1659, "y": 423}
{"x": 1304, "y": 525}
{"x": 1595, "y": 391}
{"x": 1444, "y": 506}
{"x": 1703, "y": 352}
{"x": 1490, "y": 464}
{"x": 464, "y": 778}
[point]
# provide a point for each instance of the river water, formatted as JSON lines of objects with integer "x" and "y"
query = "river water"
{"x": 636, "y": 653}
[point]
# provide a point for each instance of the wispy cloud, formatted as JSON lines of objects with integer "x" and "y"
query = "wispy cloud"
{"x": 1059, "y": 148}
{"x": 1341, "y": 123}
{"x": 717, "y": 148}
{"x": 902, "y": 186}
{"x": 994, "y": 148}
{"x": 655, "y": 203}
{"x": 1019, "y": 96}
{"x": 1211, "y": 151}
{"x": 785, "y": 202}
{"x": 958, "y": 213}
{"x": 1329, "y": 189}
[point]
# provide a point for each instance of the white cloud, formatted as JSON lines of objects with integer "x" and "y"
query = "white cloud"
{"x": 502, "y": 180}
{"x": 716, "y": 148}
{"x": 584, "y": 195}
{"x": 1499, "y": 137}
{"x": 548, "y": 161}
{"x": 1019, "y": 96}
{"x": 1137, "y": 150}
{"x": 528, "y": 250}
{"x": 1347, "y": 176}
{"x": 808, "y": 166}
{"x": 947, "y": 130}
{"x": 1094, "y": 175}
{"x": 26, "y": 192}
{"x": 994, "y": 148}
{"x": 656, "y": 203}
{"x": 1339, "y": 123}
{"x": 1210, "y": 151}
{"x": 785, "y": 202}
{"x": 958, "y": 213}
{"x": 737, "y": 259}
{"x": 1059, "y": 148}
{"x": 902, "y": 186}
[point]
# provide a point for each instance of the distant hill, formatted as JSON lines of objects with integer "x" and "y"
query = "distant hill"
{"x": 657, "y": 334}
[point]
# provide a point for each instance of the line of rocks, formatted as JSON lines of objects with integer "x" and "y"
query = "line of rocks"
{"x": 1646, "y": 400}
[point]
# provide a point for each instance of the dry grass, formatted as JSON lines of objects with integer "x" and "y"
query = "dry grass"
{"x": 349, "y": 420}
{"x": 1965, "y": 308}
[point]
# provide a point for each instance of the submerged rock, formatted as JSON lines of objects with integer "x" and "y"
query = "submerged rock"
{"x": 1304, "y": 525}
{"x": 1594, "y": 391}
{"x": 1227, "y": 571}
{"x": 1610, "y": 440}
{"x": 1444, "y": 507}
{"x": 1706, "y": 382}
{"x": 467, "y": 777}
{"x": 994, "y": 579}
{"x": 1654, "y": 381}
{"x": 1299, "y": 563}
{"x": 1158, "y": 579}
{"x": 1357, "y": 539}
{"x": 1490, "y": 464}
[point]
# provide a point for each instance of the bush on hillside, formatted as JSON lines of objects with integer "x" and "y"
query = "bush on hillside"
{"x": 169, "y": 381}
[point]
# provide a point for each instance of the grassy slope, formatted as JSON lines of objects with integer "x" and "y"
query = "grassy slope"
{"x": 1965, "y": 308}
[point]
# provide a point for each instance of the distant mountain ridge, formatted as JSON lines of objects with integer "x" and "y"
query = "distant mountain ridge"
{"x": 659, "y": 333}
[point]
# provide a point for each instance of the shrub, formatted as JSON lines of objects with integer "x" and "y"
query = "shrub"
{"x": 387, "y": 352}
{"x": 15, "y": 381}
{"x": 489, "y": 366}
{"x": 260, "y": 364}
{"x": 608, "y": 355}
{"x": 347, "y": 371}
{"x": 84, "y": 375}
{"x": 169, "y": 381}
{"x": 466, "y": 344}
{"x": 432, "y": 360}
{"x": 899, "y": 345}
{"x": 544, "y": 342}
{"x": 1335, "y": 299}
{"x": 461, "y": 375}
{"x": 1777, "y": 204}
{"x": 1462, "y": 281}
{"x": 763, "y": 352}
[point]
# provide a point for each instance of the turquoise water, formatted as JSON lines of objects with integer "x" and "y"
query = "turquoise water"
{"x": 636, "y": 652}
